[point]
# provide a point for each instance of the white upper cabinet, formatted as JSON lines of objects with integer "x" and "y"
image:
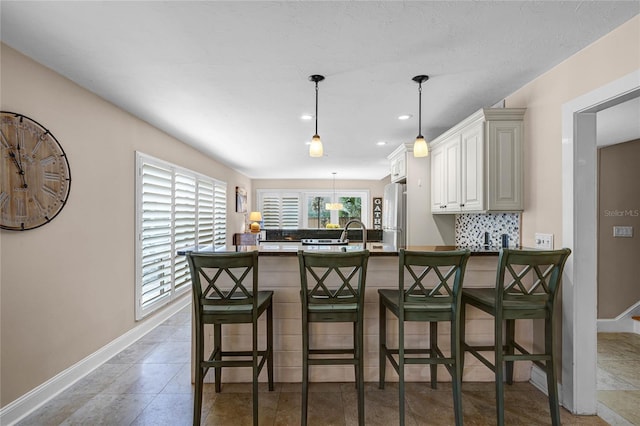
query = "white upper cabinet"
{"x": 398, "y": 162}
{"x": 445, "y": 176}
{"x": 476, "y": 166}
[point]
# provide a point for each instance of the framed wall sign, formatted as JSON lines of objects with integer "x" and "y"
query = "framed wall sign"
{"x": 241, "y": 200}
{"x": 377, "y": 212}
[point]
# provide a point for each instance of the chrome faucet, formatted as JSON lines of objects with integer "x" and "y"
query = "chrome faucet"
{"x": 343, "y": 236}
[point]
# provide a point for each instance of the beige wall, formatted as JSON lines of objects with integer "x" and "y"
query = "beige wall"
{"x": 68, "y": 287}
{"x": 609, "y": 58}
{"x": 619, "y": 192}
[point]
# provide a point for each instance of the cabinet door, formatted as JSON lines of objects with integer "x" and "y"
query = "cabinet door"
{"x": 452, "y": 174}
{"x": 472, "y": 189}
{"x": 399, "y": 168}
{"x": 504, "y": 162}
{"x": 437, "y": 179}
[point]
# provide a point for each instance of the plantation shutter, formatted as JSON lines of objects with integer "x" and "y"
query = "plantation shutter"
{"x": 280, "y": 210}
{"x": 175, "y": 208}
{"x": 157, "y": 211}
{"x": 220, "y": 217}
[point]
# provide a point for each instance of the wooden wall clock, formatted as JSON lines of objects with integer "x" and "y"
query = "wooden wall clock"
{"x": 35, "y": 177}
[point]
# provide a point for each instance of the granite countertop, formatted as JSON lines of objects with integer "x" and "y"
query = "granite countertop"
{"x": 277, "y": 248}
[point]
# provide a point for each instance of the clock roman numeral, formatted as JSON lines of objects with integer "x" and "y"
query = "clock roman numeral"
{"x": 38, "y": 205}
{"x": 37, "y": 147}
{"x": 4, "y": 140}
{"x": 21, "y": 208}
{"x": 49, "y": 191}
{"x": 4, "y": 198}
{"x": 48, "y": 160}
{"x": 51, "y": 176}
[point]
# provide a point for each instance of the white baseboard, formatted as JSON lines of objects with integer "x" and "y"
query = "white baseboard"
{"x": 623, "y": 323}
{"x": 35, "y": 398}
{"x": 539, "y": 380}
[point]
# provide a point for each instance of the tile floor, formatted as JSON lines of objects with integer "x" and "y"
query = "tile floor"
{"x": 149, "y": 383}
{"x": 619, "y": 378}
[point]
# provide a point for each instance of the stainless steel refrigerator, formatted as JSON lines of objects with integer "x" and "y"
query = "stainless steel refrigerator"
{"x": 394, "y": 215}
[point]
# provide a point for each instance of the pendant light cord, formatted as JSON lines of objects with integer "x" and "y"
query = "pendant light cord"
{"x": 316, "y": 108}
{"x": 420, "y": 109}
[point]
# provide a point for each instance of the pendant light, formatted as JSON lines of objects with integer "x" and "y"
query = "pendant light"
{"x": 420, "y": 148}
{"x": 333, "y": 205}
{"x": 315, "y": 149}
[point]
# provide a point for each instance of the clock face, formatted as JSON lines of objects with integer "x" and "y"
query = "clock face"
{"x": 35, "y": 177}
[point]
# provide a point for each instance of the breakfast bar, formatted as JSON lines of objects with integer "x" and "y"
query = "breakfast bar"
{"x": 279, "y": 271}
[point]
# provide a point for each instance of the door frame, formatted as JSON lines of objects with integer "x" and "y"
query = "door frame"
{"x": 579, "y": 233}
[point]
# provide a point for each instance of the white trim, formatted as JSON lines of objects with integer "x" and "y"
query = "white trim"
{"x": 539, "y": 381}
{"x": 579, "y": 208}
{"x": 623, "y": 323}
{"x": 35, "y": 398}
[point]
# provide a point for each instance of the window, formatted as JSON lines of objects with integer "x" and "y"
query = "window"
{"x": 175, "y": 208}
{"x": 289, "y": 209}
{"x": 280, "y": 210}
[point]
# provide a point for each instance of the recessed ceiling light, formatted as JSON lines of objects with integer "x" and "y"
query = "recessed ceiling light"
{"x": 381, "y": 143}
{"x": 404, "y": 117}
{"x": 306, "y": 116}
{"x": 307, "y": 142}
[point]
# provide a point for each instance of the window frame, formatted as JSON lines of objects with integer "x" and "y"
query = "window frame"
{"x": 303, "y": 201}
{"x": 195, "y": 207}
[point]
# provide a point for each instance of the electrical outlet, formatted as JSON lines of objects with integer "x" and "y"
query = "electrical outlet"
{"x": 544, "y": 241}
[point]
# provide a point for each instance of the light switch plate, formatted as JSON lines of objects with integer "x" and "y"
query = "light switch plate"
{"x": 623, "y": 231}
{"x": 544, "y": 241}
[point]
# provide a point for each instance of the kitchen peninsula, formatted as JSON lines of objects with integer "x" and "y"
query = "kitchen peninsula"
{"x": 279, "y": 271}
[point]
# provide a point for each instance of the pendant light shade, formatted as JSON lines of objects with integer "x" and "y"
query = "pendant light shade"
{"x": 420, "y": 148}
{"x": 334, "y": 205}
{"x": 315, "y": 149}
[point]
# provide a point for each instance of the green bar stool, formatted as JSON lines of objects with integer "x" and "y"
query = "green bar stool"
{"x": 220, "y": 296}
{"x": 527, "y": 283}
{"x": 333, "y": 286}
{"x": 429, "y": 290}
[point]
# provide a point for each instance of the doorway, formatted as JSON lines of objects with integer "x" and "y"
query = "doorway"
{"x": 579, "y": 232}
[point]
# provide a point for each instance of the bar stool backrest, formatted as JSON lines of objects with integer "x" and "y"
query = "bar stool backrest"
{"x": 530, "y": 275}
{"x": 333, "y": 278}
{"x": 219, "y": 278}
{"x": 431, "y": 277}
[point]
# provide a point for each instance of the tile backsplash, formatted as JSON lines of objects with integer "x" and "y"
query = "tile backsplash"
{"x": 470, "y": 228}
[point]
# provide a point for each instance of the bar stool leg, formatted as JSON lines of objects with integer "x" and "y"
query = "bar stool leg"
{"x": 270, "y": 345}
{"x": 510, "y": 337}
{"x": 433, "y": 346}
{"x": 457, "y": 371}
{"x": 305, "y": 371}
{"x": 360, "y": 376}
{"x": 498, "y": 365}
{"x": 552, "y": 386}
{"x": 401, "y": 369}
{"x": 217, "y": 343}
{"x": 199, "y": 377}
{"x": 383, "y": 344}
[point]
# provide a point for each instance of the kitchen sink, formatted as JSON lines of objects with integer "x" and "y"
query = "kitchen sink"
{"x": 324, "y": 242}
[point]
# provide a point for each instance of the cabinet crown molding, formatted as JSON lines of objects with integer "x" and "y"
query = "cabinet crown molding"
{"x": 483, "y": 114}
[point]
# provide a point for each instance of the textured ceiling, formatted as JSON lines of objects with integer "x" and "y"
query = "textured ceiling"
{"x": 231, "y": 78}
